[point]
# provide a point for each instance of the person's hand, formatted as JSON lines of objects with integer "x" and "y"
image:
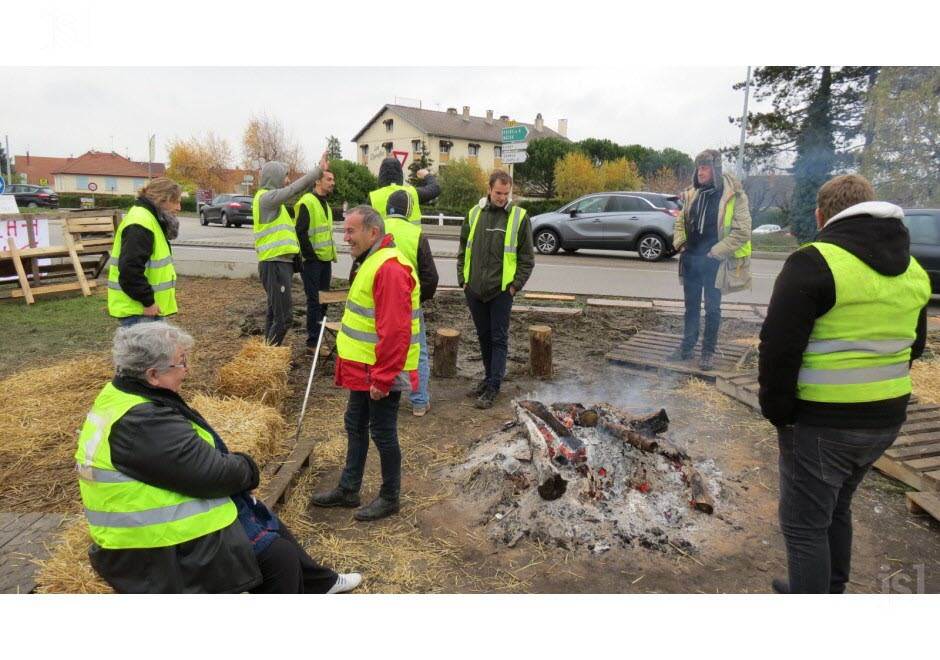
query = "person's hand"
{"x": 512, "y": 290}
{"x": 376, "y": 394}
{"x": 710, "y": 255}
{"x": 153, "y": 310}
{"x": 682, "y": 249}
{"x": 464, "y": 286}
{"x": 422, "y": 173}
{"x": 325, "y": 161}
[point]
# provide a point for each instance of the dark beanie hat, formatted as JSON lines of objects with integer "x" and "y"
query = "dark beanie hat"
{"x": 399, "y": 204}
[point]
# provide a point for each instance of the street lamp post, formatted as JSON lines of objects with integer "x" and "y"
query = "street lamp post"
{"x": 747, "y": 89}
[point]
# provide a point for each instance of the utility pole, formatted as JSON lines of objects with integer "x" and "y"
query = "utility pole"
{"x": 747, "y": 90}
{"x": 9, "y": 157}
{"x": 151, "y": 144}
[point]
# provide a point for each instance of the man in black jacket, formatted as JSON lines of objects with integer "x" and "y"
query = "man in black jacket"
{"x": 391, "y": 175}
{"x": 317, "y": 261}
{"x": 846, "y": 319}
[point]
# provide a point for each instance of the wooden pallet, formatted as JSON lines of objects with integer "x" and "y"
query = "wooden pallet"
{"x": 741, "y": 386}
{"x": 919, "y": 503}
{"x": 281, "y": 475}
{"x": 648, "y": 350}
{"x": 914, "y": 458}
{"x": 23, "y": 537}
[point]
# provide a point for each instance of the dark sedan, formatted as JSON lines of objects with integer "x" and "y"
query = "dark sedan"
{"x": 227, "y": 210}
{"x": 924, "y": 226}
{"x": 33, "y": 196}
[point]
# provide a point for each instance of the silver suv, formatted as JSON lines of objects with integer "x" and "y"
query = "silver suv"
{"x": 640, "y": 222}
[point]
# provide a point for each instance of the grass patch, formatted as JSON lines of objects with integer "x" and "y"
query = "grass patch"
{"x": 779, "y": 242}
{"x": 40, "y": 333}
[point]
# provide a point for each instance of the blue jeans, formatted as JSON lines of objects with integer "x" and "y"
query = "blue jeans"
{"x": 380, "y": 418}
{"x": 492, "y": 323}
{"x": 820, "y": 468}
{"x": 421, "y": 398}
{"x": 698, "y": 280}
{"x": 316, "y": 277}
{"x": 128, "y": 321}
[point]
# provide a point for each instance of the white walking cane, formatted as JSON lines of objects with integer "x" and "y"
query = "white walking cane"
{"x": 313, "y": 367}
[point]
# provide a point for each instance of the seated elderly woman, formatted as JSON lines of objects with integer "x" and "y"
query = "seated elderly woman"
{"x": 170, "y": 508}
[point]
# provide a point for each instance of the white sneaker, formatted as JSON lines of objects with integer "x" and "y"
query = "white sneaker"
{"x": 345, "y": 582}
{"x": 421, "y": 411}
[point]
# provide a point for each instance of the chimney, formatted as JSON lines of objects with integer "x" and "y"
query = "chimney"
{"x": 466, "y": 113}
{"x": 563, "y": 127}
{"x": 504, "y": 117}
{"x": 489, "y": 117}
{"x": 452, "y": 111}
{"x": 539, "y": 123}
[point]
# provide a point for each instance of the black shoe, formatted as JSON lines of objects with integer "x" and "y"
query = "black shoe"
{"x": 487, "y": 399}
{"x": 336, "y": 497}
{"x": 679, "y": 355}
{"x": 706, "y": 363}
{"x": 478, "y": 389}
{"x": 780, "y": 586}
{"x": 377, "y": 509}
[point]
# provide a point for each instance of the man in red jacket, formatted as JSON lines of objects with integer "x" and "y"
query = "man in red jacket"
{"x": 377, "y": 359}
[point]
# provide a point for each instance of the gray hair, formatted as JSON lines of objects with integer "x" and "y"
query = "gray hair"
{"x": 370, "y": 217}
{"x": 147, "y": 346}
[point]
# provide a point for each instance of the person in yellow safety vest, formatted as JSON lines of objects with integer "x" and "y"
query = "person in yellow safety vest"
{"x": 713, "y": 234}
{"x": 314, "y": 219}
{"x": 169, "y": 508}
{"x": 141, "y": 276}
{"x": 377, "y": 348}
{"x": 392, "y": 178}
{"x": 276, "y": 241}
{"x": 414, "y": 244}
{"x": 846, "y": 320}
{"x": 494, "y": 261}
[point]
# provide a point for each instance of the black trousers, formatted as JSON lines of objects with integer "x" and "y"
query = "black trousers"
{"x": 287, "y": 569}
{"x": 491, "y": 319}
{"x": 316, "y": 277}
{"x": 698, "y": 281}
{"x": 380, "y": 418}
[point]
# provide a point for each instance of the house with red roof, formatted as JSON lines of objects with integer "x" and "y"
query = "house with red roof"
{"x": 112, "y": 173}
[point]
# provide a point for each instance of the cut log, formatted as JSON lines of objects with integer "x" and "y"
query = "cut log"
{"x": 580, "y": 415}
{"x": 550, "y": 484}
{"x": 651, "y": 424}
{"x": 446, "y": 341}
{"x": 538, "y": 409}
{"x": 701, "y": 500}
{"x": 540, "y": 351}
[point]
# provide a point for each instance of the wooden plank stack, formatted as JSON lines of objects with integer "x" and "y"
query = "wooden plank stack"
{"x": 648, "y": 350}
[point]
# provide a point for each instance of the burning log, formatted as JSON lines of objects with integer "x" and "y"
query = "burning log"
{"x": 651, "y": 424}
{"x": 551, "y": 485}
{"x": 539, "y": 410}
{"x": 701, "y": 500}
{"x": 577, "y": 412}
{"x": 669, "y": 450}
{"x": 625, "y": 434}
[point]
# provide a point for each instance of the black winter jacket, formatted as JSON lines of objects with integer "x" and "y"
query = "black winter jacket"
{"x": 155, "y": 443}
{"x": 804, "y": 291}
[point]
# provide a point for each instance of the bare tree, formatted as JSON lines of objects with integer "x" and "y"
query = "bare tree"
{"x": 265, "y": 140}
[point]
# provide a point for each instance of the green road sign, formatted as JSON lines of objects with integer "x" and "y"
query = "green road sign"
{"x": 515, "y": 133}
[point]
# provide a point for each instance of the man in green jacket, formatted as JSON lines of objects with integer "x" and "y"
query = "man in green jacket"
{"x": 494, "y": 262}
{"x": 713, "y": 233}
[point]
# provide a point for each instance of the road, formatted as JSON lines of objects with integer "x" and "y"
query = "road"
{"x": 228, "y": 252}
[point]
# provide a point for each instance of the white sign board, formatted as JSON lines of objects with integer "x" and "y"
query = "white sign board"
{"x": 515, "y": 146}
{"x": 514, "y": 157}
{"x": 17, "y": 230}
{"x": 8, "y": 204}
{"x": 248, "y": 178}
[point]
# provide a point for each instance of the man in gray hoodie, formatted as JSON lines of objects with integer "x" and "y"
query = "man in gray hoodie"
{"x": 276, "y": 241}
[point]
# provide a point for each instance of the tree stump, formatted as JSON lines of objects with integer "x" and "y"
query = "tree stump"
{"x": 445, "y": 353}
{"x": 540, "y": 351}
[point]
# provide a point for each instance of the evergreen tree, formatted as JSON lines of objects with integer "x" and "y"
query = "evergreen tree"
{"x": 423, "y": 162}
{"x": 333, "y": 146}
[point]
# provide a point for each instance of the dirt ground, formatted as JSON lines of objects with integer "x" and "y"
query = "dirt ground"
{"x": 441, "y": 541}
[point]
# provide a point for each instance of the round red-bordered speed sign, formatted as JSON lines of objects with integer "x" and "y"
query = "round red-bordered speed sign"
{"x": 93, "y": 186}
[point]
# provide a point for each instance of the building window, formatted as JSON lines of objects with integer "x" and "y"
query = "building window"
{"x": 139, "y": 183}
{"x": 364, "y": 149}
{"x": 473, "y": 150}
{"x": 81, "y": 182}
{"x": 388, "y": 125}
{"x": 497, "y": 152}
{"x": 388, "y": 148}
{"x": 416, "y": 146}
{"x": 445, "y": 151}
{"x": 110, "y": 184}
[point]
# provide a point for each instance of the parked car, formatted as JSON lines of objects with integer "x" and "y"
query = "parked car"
{"x": 640, "y": 222}
{"x": 33, "y": 196}
{"x": 767, "y": 229}
{"x": 924, "y": 227}
{"x": 227, "y": 210}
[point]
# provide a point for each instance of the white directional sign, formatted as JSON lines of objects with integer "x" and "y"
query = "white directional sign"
{"x": 248, "y": 178}
{"x": 515, "y": 146}
{"x": 510, "y": 157}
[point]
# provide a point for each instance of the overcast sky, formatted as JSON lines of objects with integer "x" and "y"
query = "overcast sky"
{"x": 72, "y": 110}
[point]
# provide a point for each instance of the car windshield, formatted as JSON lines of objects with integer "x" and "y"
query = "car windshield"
{"x": 47, "y": 190}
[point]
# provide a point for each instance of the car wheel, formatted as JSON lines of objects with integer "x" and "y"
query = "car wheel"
{"x": 546, "y": 241}
{"x": 570, "y": 250}
{"x": 32, "y": 205}
{"x": 203, "y": 220}
{"x": 238, "y": 225}
{"x": 651, "y": 247}
{"x": 225, "y": 221}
